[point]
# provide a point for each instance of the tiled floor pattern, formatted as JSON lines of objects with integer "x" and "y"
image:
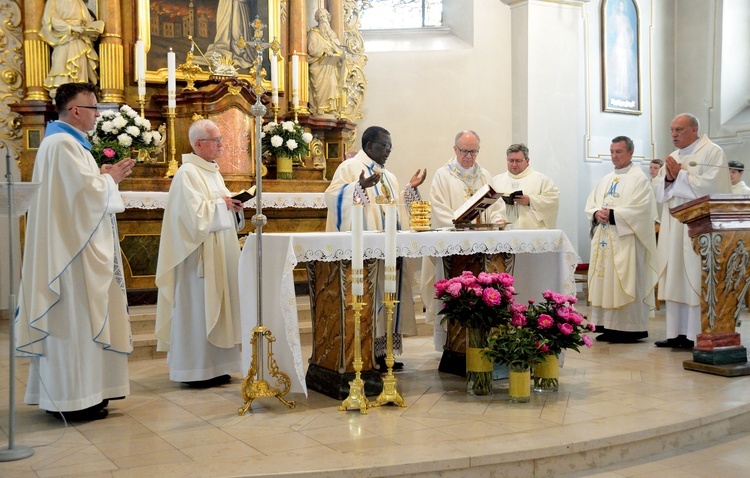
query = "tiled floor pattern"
{"x": 616, "y": 404}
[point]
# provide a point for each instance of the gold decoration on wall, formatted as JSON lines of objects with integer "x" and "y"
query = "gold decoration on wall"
{"x": 11, "y": 79}
{"x": 355, "y": 83}
{"x": 111, "y": 72}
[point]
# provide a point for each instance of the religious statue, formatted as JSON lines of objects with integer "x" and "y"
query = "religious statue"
{"x": 70, "y": 29}
{"x": 233, "y": 20}
{"x": 327, "y": 66}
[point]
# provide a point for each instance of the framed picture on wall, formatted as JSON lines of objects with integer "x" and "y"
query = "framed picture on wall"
{"x": 621, "y": 74}
{"x": 215, "y": 27}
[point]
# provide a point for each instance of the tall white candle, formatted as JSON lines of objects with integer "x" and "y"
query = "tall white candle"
{"x": 390, "y": 248}
{"x": 140, "y": 66}
{"x": 295, "y": 79}
{"x": 357, "y": 250}
{"x": 274, "y": 79}
{"x": 171, "y": 80}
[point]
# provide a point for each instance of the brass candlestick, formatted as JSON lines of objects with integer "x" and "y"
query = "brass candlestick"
{"x": 172, "y": 169}
{"x": 357, "y": 398}
{"x": 251, "y": 388}
{"x": 390, "y": 393}
{"x": 275, "y": 110}
{"x": 142, "y": 102}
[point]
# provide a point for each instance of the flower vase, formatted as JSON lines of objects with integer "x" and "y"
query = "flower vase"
{"x": 283, "y": 167}
{"x": 478, "y": 366}
{"x": 519, "y": 380}
{"x": 547, "y": 374}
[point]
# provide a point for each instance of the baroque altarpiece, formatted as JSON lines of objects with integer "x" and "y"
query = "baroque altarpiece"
{"x": 191, "y": 28}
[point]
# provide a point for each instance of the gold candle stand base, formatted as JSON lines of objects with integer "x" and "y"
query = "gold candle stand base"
{"x": 390, "y": 393}
{"x": 142, "y": 103}
{"x": 252, "y": 388}
{"x": 172, "y": 168}
{"x": 357, "y": 398}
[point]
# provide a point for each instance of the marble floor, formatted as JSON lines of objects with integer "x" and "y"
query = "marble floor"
{"x": 621, "y": 411}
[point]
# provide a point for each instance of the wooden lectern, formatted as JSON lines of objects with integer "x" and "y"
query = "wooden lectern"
{"x": 719, "y": 226}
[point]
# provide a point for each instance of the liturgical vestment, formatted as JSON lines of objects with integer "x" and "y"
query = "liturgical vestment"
{"x": 72, "y": 311}
{"x": 339, "y": 198}
{"x": 623, "y": 263}
{"x": 679, "y": 265}
{"x": 197, "y": 312}
{"x": 544, "y": 199}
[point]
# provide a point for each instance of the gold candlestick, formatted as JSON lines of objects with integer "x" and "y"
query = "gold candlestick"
{"x": 142, "y": 102}
{"x": 172, "y": 169}
{"x": 390, "y": 393}
{"x": 252, "y": 388}
{"x": 295, "y": 111}
{"x": 275, "y": 110}
{"x": 357, "y": 398}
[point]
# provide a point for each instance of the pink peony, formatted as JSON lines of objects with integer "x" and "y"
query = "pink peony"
{"x": 484, "y": 278}
{"x": 565, "y": 329}
{"x": 545, "y": 321}
{"x": 543, "y": 347}
{"x": 454, "y": 289}
{"x": 531, "y": 301}
{"x": 491, "y": 297}
{"x": 587, "y": 341}
{"x": 518, "y": 308}
{"x": 478, "y": 291}
{"x": 591, "y": 326}
{"x": 468, "y": 280}
{"x": 518, "y": 320}
{"x": 505, "y": 279}
{"x": 547, "y": 294}
{"x": 109, "y": 152}
{"x": 440, "y": 287}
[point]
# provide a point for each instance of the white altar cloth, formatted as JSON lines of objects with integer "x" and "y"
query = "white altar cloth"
{"x": 158, "y": 200}
{"x": 545, "y": 260}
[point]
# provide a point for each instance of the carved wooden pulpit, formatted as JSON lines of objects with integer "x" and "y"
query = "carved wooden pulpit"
{"x": 719, "y": 226}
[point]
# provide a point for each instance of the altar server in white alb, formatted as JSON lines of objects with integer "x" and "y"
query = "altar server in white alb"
{"x": 365, "y": 179}
{"x": 623, "y": 264}
{"x": 735, "y": 177}
{"x": 537, "y": 207}
{"x": 72, "y": 313}
{"x": 197, "y": 312}
{"x": 697, "y": 168}
{"x": 451, "y": 187}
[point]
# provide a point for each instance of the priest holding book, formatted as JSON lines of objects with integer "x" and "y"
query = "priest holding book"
{"x": 533, "y": 197}
{"x": 453, "y": 185}
{"x": 197, "y": 312}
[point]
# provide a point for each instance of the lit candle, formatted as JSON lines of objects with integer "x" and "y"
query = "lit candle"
{"x": 171, "y": 80}
{"x": 295, "y": 80}
{"x": 357, "y": 250}
{"x": 140, "y": 67}
{"x": 274, "y": 79}
{"x": 390, "y": 248}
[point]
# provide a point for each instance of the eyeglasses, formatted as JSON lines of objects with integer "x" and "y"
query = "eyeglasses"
{"x": 217, "y": 140}
{"x": 516, "y": 161}
{"x": 96, "y": 107}
{"x": 385, "y": 145}
{"x": 468, "y": 152}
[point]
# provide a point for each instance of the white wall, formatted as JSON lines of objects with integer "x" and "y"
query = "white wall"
{"x": 426, "y": 88}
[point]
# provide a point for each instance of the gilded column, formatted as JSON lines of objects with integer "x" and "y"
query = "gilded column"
{"x": 298, "y": 45}
{"x": 36, "y": 52}
{"x": 111, "y": 71}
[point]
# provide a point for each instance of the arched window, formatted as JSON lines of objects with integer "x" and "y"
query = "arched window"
{"x": 399, "y": 14}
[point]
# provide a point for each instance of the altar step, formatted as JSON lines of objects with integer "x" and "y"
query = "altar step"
{"x": 143, "y": 321}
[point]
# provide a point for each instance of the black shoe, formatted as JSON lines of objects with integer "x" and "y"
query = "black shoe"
{"x": 605, "y": 337}
{"x": 211, "y": 382}
{"x": 666, "y": 343}
{"x": 682, "y": 342}
{"x": 380, "y": 361}
{"x": 85, "y": 415}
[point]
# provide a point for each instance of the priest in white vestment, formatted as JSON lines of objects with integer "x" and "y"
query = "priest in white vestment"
{"x": 451, "y": 187}
{"x": 735, "y": 177}
{"x": 197, "y": 311}
{"x": 364, "y": 178}
{"x": 537, "y": 207}
{"x": 623, "y": 263}
{"x": 697, "y": 168}
{"x": 72, "y": 316}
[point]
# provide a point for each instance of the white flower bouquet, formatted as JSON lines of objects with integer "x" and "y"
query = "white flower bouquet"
{"x": 117, "y": 133}
{"x": 286, "y": 139}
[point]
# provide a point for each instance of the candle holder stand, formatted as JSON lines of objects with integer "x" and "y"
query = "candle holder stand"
{"x": 357, "y": 398}
{"x": 172, "y": 169}
{"x": 275, "y": 110}
{"x": 142, "y": 103}
{"x": 390, "y": 393}
{"x": 255, "y": 386}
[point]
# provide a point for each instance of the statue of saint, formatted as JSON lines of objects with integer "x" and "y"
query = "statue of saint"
{"x": 70, "y": 29}
{"x": 326, "y": 64}
{"x": 233, "y": 20}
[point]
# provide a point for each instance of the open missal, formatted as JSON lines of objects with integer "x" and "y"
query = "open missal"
{"x": 245, "y": 195}
{"x": 480, "y": 201}
{"x": 509, "y": 198}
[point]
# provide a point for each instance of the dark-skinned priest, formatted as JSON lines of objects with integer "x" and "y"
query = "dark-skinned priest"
{"x": 363, "y": 178}
{"x": 623, "y": 264}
